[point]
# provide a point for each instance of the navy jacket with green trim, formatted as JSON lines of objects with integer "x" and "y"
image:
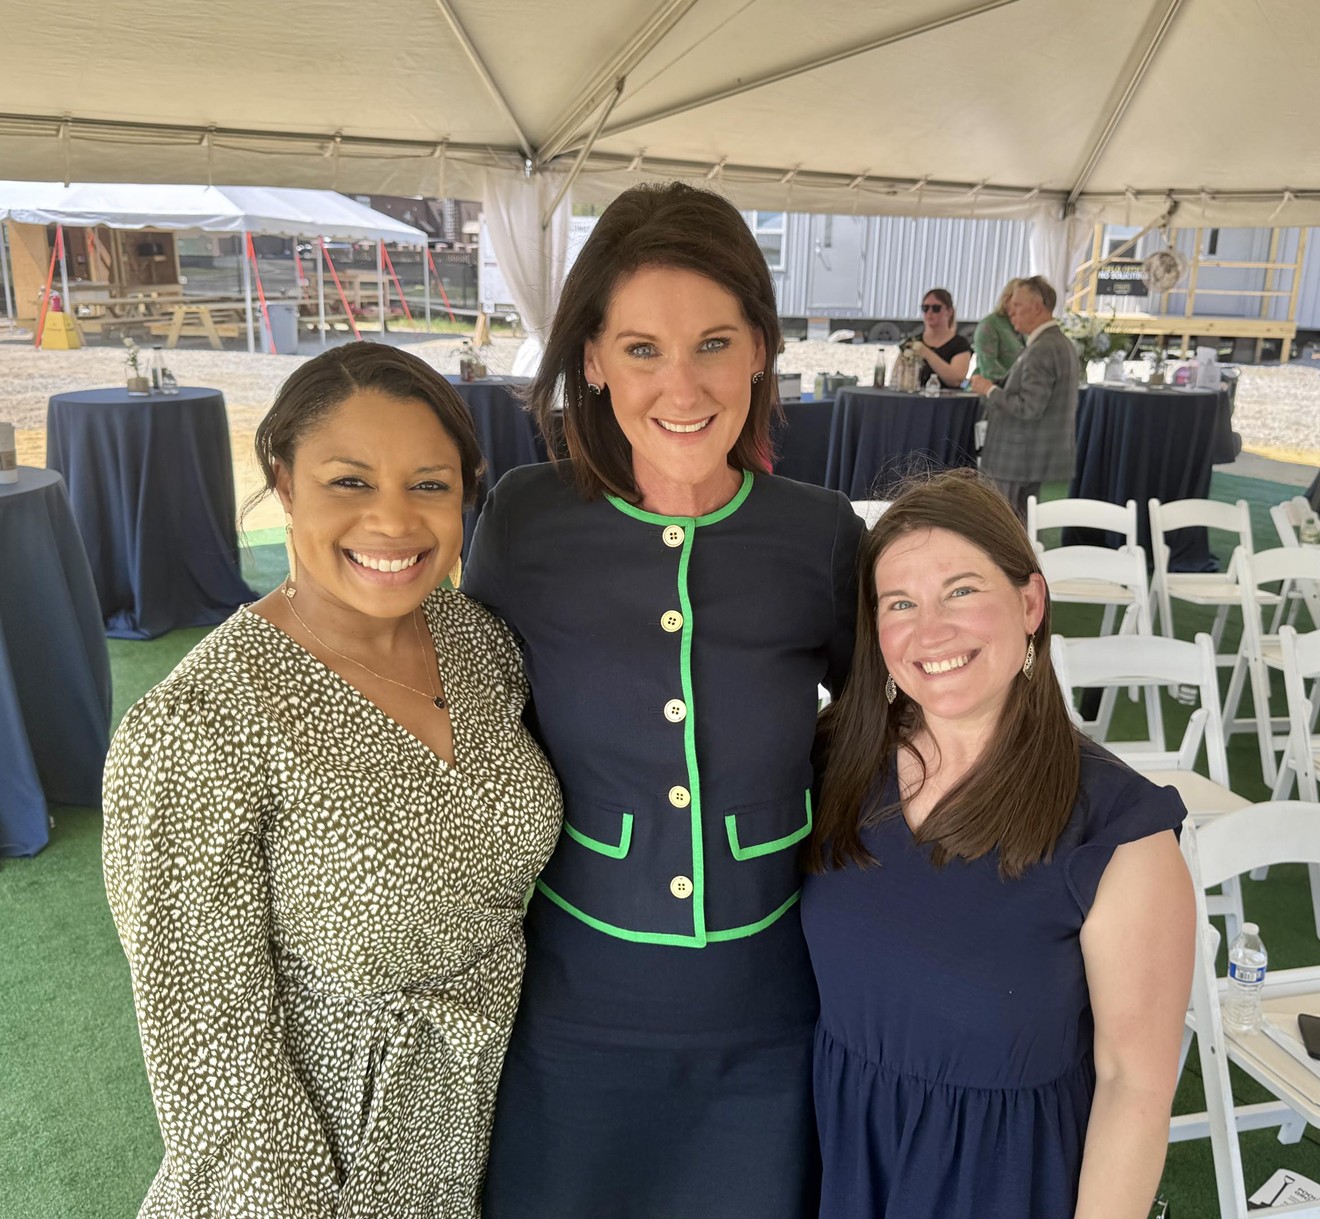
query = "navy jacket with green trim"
{"x": 674, "y": 665}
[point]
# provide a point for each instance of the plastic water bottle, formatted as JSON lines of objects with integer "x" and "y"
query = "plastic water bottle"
{"x": 933, "y": 386}
{"x": 1247, "y": 959}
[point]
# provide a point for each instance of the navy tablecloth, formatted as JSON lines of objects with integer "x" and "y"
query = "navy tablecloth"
{"x": 1150, "y": 444}
{"x": 507, "y": 433}
{"x": 152, "y": 485}
{"x": 54, "y": 670}
{"x": 802, "y": 440}
{"x": 879, "y": 435}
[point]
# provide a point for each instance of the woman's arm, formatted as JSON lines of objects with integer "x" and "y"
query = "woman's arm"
{"x": 1137, "y": 943}
{"x": 187, "y": 883}
{"x": 951, "y": 372}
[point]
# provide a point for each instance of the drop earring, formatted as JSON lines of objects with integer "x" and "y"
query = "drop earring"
{"x": 456, "y": 573}
{"x": 291, "y": 555}
{"x": 1029, "y": 664}
{"x": 891, "y": 689}
{"x": 595, "y": 389}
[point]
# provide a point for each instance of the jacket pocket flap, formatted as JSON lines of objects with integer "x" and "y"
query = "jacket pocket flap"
{"x": 767, "y": 828}
{"x": 606, "y": 831}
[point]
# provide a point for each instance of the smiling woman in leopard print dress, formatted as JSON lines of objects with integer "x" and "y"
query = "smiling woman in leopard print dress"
{"x": 320, "y": 829}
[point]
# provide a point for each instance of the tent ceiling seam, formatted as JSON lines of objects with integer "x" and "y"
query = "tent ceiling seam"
{"x": 799, "y": 69}
{"x": 1124, "y": 100}
{"x": 469, "y": 49}
{"x": 637, "y": 48}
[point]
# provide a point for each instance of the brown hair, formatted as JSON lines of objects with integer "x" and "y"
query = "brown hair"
{"x": 320, "y": 385}
{"x": 945, "y": 297}
{"x": 1019, "y": 794}
{"x": 1041, "y": 289}
{"x": 671, "y": 225}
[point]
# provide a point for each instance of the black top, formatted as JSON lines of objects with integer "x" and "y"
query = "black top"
{"x": 955, "y": 346}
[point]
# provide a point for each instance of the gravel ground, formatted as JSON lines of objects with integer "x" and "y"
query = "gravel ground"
{"x": 1278, "y": 407}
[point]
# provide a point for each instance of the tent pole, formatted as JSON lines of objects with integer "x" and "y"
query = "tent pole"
{"x": 380, "y": 283}
{"x": 426, "y": 289}
{"x": 247, "y": 295}
{"x": 64, "y": 268}
{"x": 4, "y": 273}
{"x": 320, "y": 293}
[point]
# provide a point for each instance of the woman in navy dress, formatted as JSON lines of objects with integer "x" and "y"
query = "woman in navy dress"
{"x": 678, "y": 607}
{"x": 999, "y": 918}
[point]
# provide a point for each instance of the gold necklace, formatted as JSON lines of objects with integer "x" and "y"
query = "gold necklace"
{"x": 439, "y": 700}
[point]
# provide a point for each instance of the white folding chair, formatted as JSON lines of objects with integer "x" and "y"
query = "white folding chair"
{"x": 1260, "y": 652}
{"x": 1258, "y": 836}
{"x": 870, "y": 510}
{"x": 1301, "y": 756}
{"x": 1082, "y": 514}
{"x": 1217, "y": 589}
{"x": 1151, "y": 662}
{"x": 1288, "y": 517}
{"x": 1097, "y": 575}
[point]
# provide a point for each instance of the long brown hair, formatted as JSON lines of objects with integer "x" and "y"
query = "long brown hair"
{"x": 672, "y": 225}
{"x": 1018, "y": 795}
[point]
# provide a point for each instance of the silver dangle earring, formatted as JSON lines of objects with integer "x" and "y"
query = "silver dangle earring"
{"x": 1029, "y": 665}
{"x": 758, "y": 376}
{"x": 291, "y": 555}
{"x": 891, "y": 689}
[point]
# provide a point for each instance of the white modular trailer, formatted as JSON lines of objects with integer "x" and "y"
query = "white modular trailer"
{"x": 876, "y": 268}
{"x": 879, "y": 267}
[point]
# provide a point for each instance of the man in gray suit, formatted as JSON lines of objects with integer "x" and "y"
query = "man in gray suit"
{"x": 1031, "y": 437}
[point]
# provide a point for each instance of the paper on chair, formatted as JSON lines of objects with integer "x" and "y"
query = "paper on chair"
{"x": 1283, "y": 1188}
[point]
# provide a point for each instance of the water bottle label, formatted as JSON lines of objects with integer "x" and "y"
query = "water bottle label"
{"x": 1245, "y": 974}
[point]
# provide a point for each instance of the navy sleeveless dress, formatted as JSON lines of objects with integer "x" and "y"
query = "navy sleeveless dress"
{"x": 953, "y": 1056}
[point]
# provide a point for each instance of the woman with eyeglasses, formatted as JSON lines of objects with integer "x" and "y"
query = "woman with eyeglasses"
{"x": 944, "y": 352}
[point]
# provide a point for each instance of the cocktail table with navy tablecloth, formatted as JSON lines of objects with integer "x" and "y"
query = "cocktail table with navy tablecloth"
{"x": 54, "y": 670}
{"x": 1141, "y": 444}
{"x": 801, "y": 440}
{"x": 506, "y": 432}
{"x": 879, "y": 435}
{"x": 152, "y": 485}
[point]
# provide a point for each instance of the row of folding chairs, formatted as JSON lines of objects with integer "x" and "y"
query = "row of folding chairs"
{"x": 1086, "y": 574}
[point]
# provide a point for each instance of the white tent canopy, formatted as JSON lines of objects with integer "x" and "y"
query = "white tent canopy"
{"x": 1118, "y": 110}
{"x": 972, "y": 107}
{"x": 282, "y": 212}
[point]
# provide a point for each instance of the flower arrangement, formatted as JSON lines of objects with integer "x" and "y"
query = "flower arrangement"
{"x": 1089, "y": 334}
{"x": 134, "y": 354}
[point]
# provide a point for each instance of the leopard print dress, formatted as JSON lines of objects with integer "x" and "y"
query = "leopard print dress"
{"x": 323, "y": 922}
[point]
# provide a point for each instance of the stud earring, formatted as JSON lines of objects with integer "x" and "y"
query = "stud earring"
{"x": 891, "y": 689}
{"x": 291, "y": 555}
{"x": 758, "y": 376}
{"x": 595, "y": 389}
{"x": 456, "y": 573}
{"x": 1029, "y": 664}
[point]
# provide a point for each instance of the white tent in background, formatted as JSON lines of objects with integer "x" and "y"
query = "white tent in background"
{"x": 260, "y": 211}
{"x": 1038, "y": 109}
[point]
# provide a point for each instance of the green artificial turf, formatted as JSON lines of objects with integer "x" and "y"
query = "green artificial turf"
{"x": 78, "y": 1137}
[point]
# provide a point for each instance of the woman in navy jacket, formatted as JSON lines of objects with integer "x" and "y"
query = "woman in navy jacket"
{"x": 678, "y": 606}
